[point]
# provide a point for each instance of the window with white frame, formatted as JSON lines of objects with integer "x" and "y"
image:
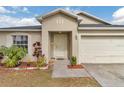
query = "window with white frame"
{"x": 20, "y": 41}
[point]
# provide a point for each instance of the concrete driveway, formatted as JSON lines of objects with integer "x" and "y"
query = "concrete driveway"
{"x": 108, "y": 75}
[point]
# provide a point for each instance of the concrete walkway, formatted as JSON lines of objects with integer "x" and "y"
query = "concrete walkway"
{"x": 60, "y": 70}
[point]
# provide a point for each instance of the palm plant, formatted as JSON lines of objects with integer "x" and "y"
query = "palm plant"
{"x": 14, "y": 54}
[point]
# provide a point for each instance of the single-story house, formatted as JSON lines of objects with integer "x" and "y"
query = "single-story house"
{"x": 64, "y": 34}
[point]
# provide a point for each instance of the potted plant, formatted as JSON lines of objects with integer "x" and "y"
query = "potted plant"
{"x": 73, "y": 63}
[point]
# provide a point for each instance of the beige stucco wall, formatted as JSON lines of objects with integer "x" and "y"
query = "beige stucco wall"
{"x": 3, "y": 38}
{"x": 88, "y": 20}
{"x": 6, "y": 40}
{"x": 35, "y": 36}
{"x": 59, "y": 23}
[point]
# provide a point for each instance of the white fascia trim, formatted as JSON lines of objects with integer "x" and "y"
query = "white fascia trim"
{"x": 102, "y": 34}
{"x": 21, "y": 30}
{"x": 40, "y": 18}
{"x": 100, "y": 28}
{"x": 60, "y": 10}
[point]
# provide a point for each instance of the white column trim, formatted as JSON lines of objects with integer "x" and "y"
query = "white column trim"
{"x": 79, "y": 39}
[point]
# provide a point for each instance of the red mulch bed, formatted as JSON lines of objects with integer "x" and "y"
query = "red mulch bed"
{"x": 75, "y": 66}
{"x": 25, "y": 65}
{"x": 22, "y": 65}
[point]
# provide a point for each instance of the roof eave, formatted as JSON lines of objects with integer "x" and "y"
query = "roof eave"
{"x": 24, "y": 30}
{"x": 100, "y": 28}
{"x": 40, "y": 18}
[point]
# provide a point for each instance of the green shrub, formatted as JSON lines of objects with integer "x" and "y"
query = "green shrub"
{"x": 14, "y": 54}
{"x": 73, "y": 60}
{"x": 11, "y": 63}
{"x": 1, "y": 56}
{"x": 3, "y": 50}
{"x": 41, "y": 61}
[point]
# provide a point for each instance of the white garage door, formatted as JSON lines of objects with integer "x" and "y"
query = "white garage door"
{"x": 101, "y": 49}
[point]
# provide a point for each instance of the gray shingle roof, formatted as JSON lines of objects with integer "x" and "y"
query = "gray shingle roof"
{"x": 24, "y": 27}
{"x": 99, "y": 25}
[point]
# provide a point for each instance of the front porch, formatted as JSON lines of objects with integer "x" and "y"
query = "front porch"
{"x": 60, "y": 45}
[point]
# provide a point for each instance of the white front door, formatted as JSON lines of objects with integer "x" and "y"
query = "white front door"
{"x": 60, "y": 46}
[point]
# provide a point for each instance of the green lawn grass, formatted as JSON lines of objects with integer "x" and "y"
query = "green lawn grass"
{"x": 41, "y": 78}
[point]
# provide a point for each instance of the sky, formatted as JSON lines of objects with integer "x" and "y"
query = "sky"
{"x": 26, "y": 15}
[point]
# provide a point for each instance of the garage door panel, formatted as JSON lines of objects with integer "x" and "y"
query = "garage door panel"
{"x": 101, "y": 49}
{"x": 103, "y": 52}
